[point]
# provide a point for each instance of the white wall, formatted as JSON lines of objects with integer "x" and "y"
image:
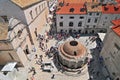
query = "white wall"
{"x": 92, "y": 19}
{"x": 66, "y": 19}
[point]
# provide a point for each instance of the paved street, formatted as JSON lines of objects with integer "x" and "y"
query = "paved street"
{"x": 94, "y": 70}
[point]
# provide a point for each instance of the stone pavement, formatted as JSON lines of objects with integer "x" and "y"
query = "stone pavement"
{"x": 92, "y": 69}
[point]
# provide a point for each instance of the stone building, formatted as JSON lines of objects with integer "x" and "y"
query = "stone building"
{"x": 14, "y": 43}
{"x": 86, "y": 17}
{"x": 32, "y": 13}
{"x": 111, "y": 50}
{"x": 72, "y": 56}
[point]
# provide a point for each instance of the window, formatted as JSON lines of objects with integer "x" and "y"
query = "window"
{"x": 81, "y": 17}
{"x": 79, "y": 24}
{"x": 87, "y": 26}
{"x": 82, "y": 9}
{"x": 94, "y": 26}
{"x": 105, "y": 17}
{"x": 79, "y": 31}
{"x": 71, "y": 10}
{"x": 61, "y": 24}
{"x": 90, "y": 14}
{"x": 95, "y": 20}
{"x": 116, "y": 8}
{"x": 19, "y": 33}
{"x": 97, "y": 14}
{"x": 40, "y": 8}
{"x": 61, "y": 17}
{"x": 71, "y": 24}
{"x": 31, "y": 15}
{"x": 36, "y": 11}
{"x": 61, "y": 30}
{"x": 106, "y": 9}
{"x": 44, "y": 5}
{"x": 71, "y": 17}
{"x": 89, "y": 20}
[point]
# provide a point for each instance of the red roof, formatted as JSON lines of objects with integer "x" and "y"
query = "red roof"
{"x": 76, "y": 1}
{"x": 118, "y": 1}
{"x": 116, "y": 28}
{"x": 72, "y": 9}
{"x": 116, "y": 22}
{"x": 111, "y": 9}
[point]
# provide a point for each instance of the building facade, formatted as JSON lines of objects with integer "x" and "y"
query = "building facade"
{"x": 14, "y": 43}
{"x": 33, "y": 13}
{"x": 111, "y": 51}
{"x": 96, "y": 17}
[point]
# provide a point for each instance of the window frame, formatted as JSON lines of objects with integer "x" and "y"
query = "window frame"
{"x": 71, "y": 24}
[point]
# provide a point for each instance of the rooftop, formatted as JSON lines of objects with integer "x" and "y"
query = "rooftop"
{"x": 72, "y": 9}
{"x": 76, "y": 1}
{"x": 25, "y": 3}
{"x": 3, "y": 30}
{"x": 111, "y": 9}
{"x": 73, "y": 48}
{"x": 116, "y": 22}
{"x": 116, "y": 28}
{"x": 118, "y": 1}
{"x": 93, "y": 7}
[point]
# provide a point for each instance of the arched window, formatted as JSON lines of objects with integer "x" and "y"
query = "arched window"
{"x": 71, "y": 24}
{"x": 79, "y": 24}
{"x": 31, "y": 14}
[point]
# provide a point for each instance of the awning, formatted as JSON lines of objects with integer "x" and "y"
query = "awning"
{"x": 9, "y": 66}
{"x": 102, "y": 36}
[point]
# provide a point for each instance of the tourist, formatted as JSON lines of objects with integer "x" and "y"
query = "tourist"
{"x": 53, "y": 76}
{"x": 36, "y": 56}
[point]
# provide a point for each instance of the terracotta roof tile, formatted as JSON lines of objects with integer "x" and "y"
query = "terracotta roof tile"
{"x": 116, "y": 28}
{"x": 72, "y": 9}
{"x": 116, "y": 22}
{"x": 111, "y": 9}
{"x": 76, "y": 1}
{"x": 118, "y": 1}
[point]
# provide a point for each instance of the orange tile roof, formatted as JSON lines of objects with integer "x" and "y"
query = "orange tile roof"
{"x": 116, "y": 22}
{"x": 24, "y": 3}
{"x": 118, "y": 1}
{"x": 76, "y": 1}
{"x": 116, "y": 28}
{"x": 111, "y": 9}
{"x": 66, "y": 9}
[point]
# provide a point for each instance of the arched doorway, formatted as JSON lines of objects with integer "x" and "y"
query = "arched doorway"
{"x": 93, "y": 31}
{"x": 86, "y": 32}
{"x": 79, "y": 31}
{"x": 70, "y": 30}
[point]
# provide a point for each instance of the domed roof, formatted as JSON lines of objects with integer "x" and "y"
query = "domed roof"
{"x": 74, "y": 48}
